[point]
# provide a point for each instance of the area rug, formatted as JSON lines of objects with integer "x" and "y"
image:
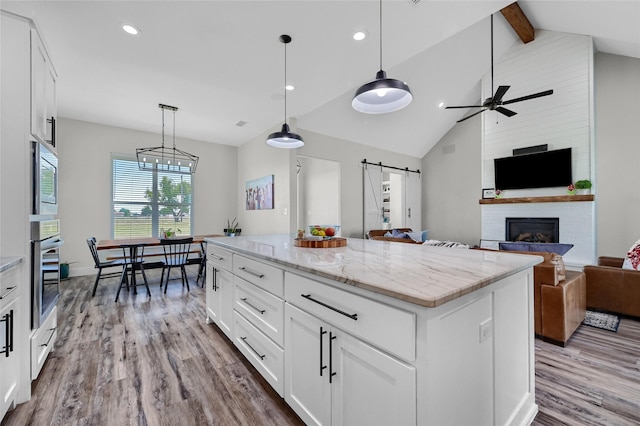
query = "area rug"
{"x": 602, "y": 320}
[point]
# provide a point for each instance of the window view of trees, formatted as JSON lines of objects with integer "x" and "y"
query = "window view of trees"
{"x": 145, "y": 202}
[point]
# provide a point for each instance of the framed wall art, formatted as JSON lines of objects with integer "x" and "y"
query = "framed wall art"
{"x": 259, "y": 193}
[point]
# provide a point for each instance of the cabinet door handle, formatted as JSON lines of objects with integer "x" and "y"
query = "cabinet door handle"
{"x": 8, "y": 335}
{"x": 52, "y": 120}
{"x": 53, "y": 331}
{"x": 7, "y": 293}
{"x": 352, "y": 316}
{"x": 244, "y": 339}
{"x": 322, "y": 333}
{"x": 250, "y": 272}
{"x": 331, "y": 372}
{"x": 262, "y": 311}
{"x": 214, "y": 285}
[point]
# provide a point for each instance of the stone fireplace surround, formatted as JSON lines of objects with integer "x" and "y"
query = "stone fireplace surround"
{"x": 576, "y": 218}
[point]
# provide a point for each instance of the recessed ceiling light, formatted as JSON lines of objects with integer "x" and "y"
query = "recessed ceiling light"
{"x": 130, "y": 29}
{"x": 441, "y": 105}
{"x": 290, "y": 87}
{"x": 359, "y": 35}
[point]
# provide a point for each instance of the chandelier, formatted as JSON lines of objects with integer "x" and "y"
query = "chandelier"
{"x": 163, "y": 158}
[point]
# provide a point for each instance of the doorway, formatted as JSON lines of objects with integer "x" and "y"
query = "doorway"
{"x": 318, "y": 192}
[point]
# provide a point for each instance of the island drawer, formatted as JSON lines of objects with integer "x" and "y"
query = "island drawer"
{"x": 264, "y": 310}
{"x": 264, "y": 276}
{"x": 385, "y": 326}
{"x": 260, "y": 351}
{"x": 220, "y": 258}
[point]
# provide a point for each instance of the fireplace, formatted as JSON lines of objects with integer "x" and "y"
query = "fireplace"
{"x": 533, "y": 229}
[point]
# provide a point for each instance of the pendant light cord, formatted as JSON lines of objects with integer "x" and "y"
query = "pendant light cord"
{"x": 285, "y": 82}
{"x": 162, "y": 127}
{"x": 380, "y": 34}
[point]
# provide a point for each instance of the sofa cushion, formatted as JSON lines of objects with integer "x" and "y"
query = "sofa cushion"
{"x": 632, "y": 261}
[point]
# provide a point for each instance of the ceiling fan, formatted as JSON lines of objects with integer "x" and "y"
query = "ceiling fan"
{"x": 495, "y": 102}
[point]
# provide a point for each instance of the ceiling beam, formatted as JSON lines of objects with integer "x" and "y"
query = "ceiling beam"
{"x": 518, "y": 21}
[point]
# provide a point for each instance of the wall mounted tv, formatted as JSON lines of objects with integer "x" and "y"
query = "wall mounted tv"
{"x": 540, "y": 170}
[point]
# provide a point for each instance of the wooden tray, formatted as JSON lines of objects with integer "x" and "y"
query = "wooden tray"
{"x": 332, "y": 243}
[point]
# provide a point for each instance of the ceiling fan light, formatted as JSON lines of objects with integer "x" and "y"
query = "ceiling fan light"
{"x": 382, "y": 95}
{"x": 285, "y": 139}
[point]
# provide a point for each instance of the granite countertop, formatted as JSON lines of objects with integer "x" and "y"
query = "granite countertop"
{"x": 423, "y": 275}
{"x": 7, "y": 262}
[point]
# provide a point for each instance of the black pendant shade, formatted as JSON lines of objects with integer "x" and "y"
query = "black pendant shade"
{"x": 284, "y": 138}
{"x": 383, "y": 94}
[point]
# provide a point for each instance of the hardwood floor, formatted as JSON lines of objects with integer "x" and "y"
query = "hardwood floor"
{"x": 154, "y": 361}
{"x": 145, "y": 361}
{"x": 594, "y": 380}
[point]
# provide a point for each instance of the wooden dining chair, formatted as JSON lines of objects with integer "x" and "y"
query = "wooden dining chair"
{"x": 176, "y": 255}
{"x": 100, "y": 264}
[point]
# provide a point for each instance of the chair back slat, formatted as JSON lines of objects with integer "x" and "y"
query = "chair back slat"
{"x": 91, "y": 242}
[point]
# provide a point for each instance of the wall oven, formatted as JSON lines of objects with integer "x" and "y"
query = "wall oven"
{"x": 44, "y": 180}
{"x": 45, "y": 273}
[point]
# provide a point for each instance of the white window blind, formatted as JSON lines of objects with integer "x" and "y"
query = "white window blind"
{"x": 145, "y": 202}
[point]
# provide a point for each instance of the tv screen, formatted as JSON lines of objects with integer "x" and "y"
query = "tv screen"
{"x": 540, "y": 170}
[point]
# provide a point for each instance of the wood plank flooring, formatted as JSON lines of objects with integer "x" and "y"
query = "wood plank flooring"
{"x": 154, "y": 361}
{"x": 145, "y": 361}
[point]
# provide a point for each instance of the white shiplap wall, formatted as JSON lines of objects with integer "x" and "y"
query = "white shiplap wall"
{"x": 564, "y": 63}
{"x": 558, "y": 61}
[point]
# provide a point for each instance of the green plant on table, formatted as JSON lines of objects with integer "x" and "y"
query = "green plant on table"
{"x": 170, "y": 233}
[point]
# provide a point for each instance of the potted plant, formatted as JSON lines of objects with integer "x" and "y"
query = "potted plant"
{"x": 169, "y": 233}
{"x": 583, "y": 186}
{"x": 64, "y": 269}
{"x": 232, "y": 228}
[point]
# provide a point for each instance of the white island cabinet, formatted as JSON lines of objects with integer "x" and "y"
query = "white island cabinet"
{"x": 385, "y": 333}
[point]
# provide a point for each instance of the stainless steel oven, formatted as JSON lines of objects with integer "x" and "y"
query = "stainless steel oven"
{"x": 45, "y": 273}
{"x": 44, "y": 180}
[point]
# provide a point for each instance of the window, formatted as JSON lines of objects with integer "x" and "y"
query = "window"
{"x": 144, "y": 202}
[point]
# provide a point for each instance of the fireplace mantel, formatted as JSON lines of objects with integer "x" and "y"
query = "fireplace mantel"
{"x": 549, "y": 199}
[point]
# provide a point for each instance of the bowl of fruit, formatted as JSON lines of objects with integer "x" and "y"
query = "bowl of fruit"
{"x": 324, "y": 231}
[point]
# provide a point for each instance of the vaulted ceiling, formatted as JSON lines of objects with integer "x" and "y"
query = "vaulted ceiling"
{"x": 221, "y": 62}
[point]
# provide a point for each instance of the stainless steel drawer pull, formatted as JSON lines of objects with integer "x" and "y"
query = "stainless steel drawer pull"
{"x": 249, "y": 271}
{"x": 7, "y": 293}
{"x": 219, "y": 258}
{"x": 262, "y": 311}
{"x": 244, "y": 339}
{"x": 352, "y": 316}
{"x": 53, "y": 331}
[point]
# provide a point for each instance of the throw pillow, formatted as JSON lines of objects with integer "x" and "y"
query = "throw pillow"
{"x": 632, "y": 261}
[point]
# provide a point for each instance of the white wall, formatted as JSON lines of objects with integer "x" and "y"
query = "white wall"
{"x": 451, "y": 185}
{"x": 318, "y": 192}
{"x": 350, "y": 156}
{"x": 617, "y": 105}
{"x": 558, "y": 61}
{"x": 84, "y": 155}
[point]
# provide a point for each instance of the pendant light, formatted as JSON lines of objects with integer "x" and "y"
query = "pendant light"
{"x": 284, "y": 138}
{"x": 163, "y": 158}
{"x": 383, "y": 94}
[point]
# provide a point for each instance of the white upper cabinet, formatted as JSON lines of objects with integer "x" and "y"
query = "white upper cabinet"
{"x": 44, "y": 113}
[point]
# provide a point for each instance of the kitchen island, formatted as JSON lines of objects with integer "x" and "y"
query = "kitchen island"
{"x": 378, "y": 332}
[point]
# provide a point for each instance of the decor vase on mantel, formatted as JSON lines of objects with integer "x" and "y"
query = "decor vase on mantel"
{"x": 585, "y": 191}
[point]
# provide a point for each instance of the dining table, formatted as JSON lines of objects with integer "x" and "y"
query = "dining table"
{"x": 131, "y": 248}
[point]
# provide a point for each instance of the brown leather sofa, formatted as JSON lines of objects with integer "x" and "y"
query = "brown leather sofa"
{"x": 611, "y": 288}
{"x": 559, "y": 298}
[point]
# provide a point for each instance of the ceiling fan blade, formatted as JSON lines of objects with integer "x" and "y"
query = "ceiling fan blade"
{"x": 465, "y": 106}
{"x": 526, "y": 98}
{"x": 469, "y": 116}
{"x": 500, "y": 93}
{"x": 505, "y": 111}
